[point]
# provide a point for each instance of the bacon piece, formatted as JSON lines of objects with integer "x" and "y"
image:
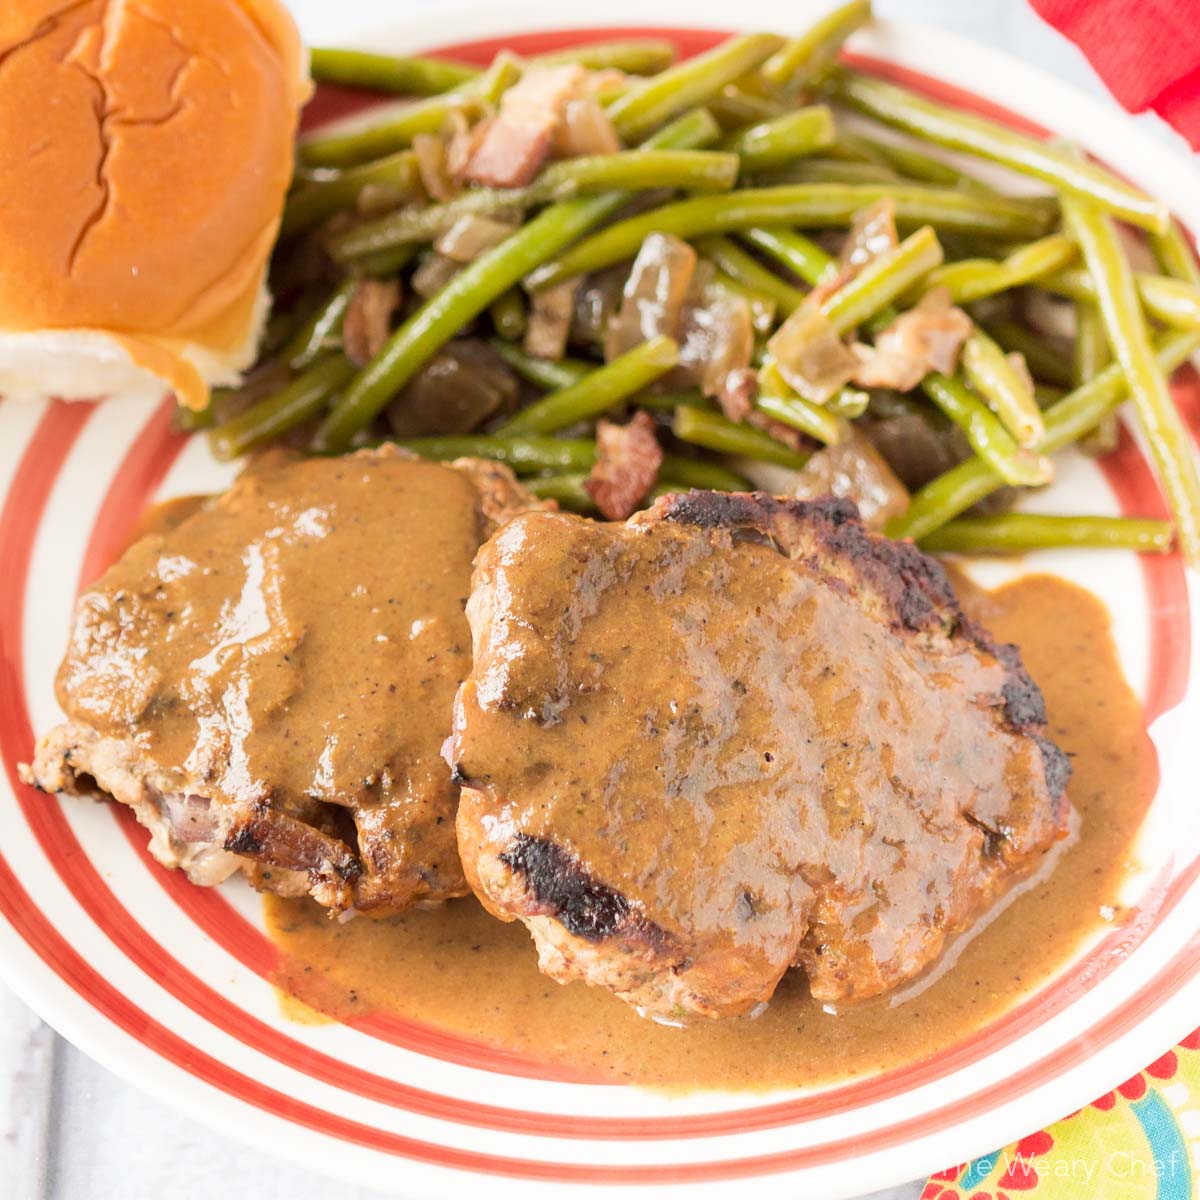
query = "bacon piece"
{"x": 513, "y": 147}
{"x": 738, "y": 393}
{"x": 927, "y": 338}
{"x": 368, "y": 320}
{"x": 628, "y": 458}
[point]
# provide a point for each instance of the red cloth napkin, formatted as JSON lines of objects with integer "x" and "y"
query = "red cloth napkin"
{"x": 1146, "y": 51}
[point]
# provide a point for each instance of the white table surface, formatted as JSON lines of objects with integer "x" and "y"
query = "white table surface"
{"x": 70, "y": 1130}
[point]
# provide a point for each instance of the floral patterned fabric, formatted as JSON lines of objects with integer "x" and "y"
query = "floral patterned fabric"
{"x": 1138, "y": 1142}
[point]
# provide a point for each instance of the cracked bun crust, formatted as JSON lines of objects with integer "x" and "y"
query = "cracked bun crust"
{"x": 145, "y": 150}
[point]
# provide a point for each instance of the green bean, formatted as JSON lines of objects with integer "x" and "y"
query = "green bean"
{"x": 1009, "y": 396}
{"x": 1092, "y": 353}
{"x": 882, "y": 280}
{"x": 641, "y": 56}
{"x": 385, "y": 73}
{"x": 914, "y": 163}
{"x": 531, "y": 454}
{"x": 304, "y": 398}
{"x": 715, "y": 432}
{"x": 311, "y": 203}
{"x": 1091, "y": 356}
{"x": 1171, "y": 301}
{"x": 545, "y": 373}
{"x": 192, "y": 420}
{"x": 508, "y": 315}
{"x": 995, "y": 142}
{"x": 384, "y": 264}
{"x": 603, "y": 389}
{"x": 784, "y": 139}
{"x": 849, "y": 403}
{"x": 670, "y": 401}
{"x": 762, "y": 306}
{"x": 805, "y": 60}
{"x": 749, "y": 272}
{"x": 1074, "y": 415}
{"x": 474, "y": 288}
{"x": 974, "y": 278}
{"x": 800, "y": 255}
{"x": 735, "y": 106}
{"x": 811, "y": 419}
{"x": 988, "y": 437}
{"x": 695, "y": 170}
{"x": 525, "y": 455}
{"x": 385, "y": 131}
{"x": 567, "y": 489}
{"x": 1129, "y": 338}
{"x": 829, "y": 170}
{"x": 322, "y": 332}
{"x": 809, "y": 204}
{"x": 1042, "y": 360}
{"x": 658, "y": 99}
{"x": 1015, "y": 533}
{"x": 696, "y": 473}
{"x": 1175, "y": 255}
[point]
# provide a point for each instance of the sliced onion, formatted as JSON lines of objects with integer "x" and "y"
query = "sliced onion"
{"x": 596, "y": 302}
{"x": 810, "y": 356}
{"x": 716, "y": 339}
{"x": 368, "y": 320}
{"x": 872, "y": 233}
{"x": 471, "y": 235}
{"x": 463, "y": 385}
{"x": 654, "y": 294}
{"x": 550, "y": 318}
{"x": 854, "y": 470}
{"x": 435, "y": 271}
{"x": 432, "y": 167}
{"x": 585, "y": 129}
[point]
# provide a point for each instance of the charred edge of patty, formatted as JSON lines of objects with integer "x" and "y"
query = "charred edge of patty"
{"x": 915, "y": 587}
{"x": 584, "y": 907}
{"x": 279, "y": 841}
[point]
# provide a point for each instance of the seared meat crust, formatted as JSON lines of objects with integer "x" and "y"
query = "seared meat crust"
{"x": 856, "y": 875}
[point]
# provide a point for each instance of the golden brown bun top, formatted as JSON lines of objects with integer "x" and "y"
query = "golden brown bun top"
{"x": 145, "y": 149}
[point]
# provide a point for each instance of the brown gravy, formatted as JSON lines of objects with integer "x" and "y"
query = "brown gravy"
{"x": 459, "y": 970}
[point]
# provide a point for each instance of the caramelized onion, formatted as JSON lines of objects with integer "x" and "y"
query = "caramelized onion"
{"x": 596, "y": 302}
{"x": 550, "y": 319}
{"x": 854, "y": 470}
{"x": 435, "y": 271}
{"x": 654, "y": 294}
{"x": 872, "y": 233}
{"x": 463, "y": 385}
{"x": 810, "y": 356}
{"x": 585, "y": 129}
{"x": 432, "y": 166}
{"x": 716, "y": 340}
{"x": 367, "y": 323}
{"x": 471, "y": 235}
{"x": 917, "y": 447}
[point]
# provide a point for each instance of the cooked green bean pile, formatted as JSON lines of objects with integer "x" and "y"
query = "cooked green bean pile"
{"x": 765, "y": 251}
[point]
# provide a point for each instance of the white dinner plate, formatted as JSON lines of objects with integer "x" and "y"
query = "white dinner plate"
{"x": 169, "y": 985}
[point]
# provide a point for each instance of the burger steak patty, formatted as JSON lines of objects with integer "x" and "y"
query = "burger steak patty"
{"x": 737, "y": 734}
{"x": 267, "y": 683}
